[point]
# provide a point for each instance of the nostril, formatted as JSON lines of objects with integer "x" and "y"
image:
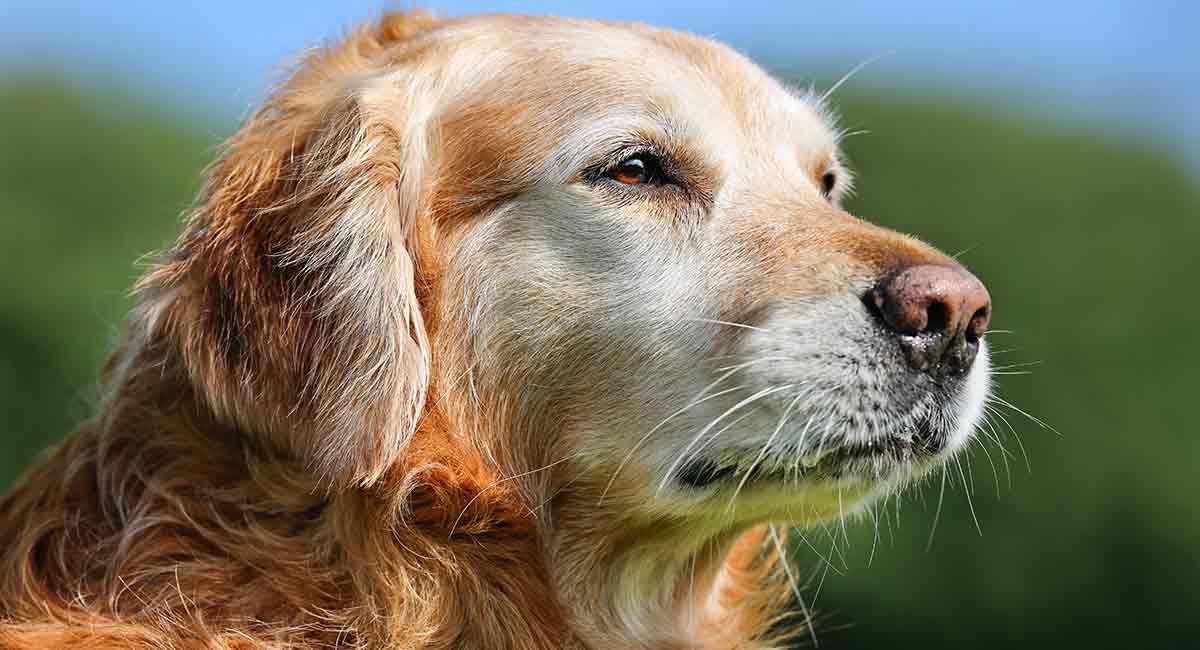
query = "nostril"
{"x": 937, "y": 318}
{"x": 978, "y": 325}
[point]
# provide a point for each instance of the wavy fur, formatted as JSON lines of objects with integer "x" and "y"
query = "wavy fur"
{"x": 380, "y": 391}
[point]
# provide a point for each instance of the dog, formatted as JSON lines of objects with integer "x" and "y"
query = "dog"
{"x": 498, "y": 332}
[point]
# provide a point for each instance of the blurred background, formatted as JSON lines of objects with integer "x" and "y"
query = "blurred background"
{"x": 1056, "y": 145}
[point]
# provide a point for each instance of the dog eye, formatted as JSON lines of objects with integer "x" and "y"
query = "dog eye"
{"x": 638, "y": 169}
{"x": 828, "y": 182}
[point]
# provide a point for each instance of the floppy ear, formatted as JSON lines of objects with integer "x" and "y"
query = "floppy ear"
{"x": 291, "y": 297}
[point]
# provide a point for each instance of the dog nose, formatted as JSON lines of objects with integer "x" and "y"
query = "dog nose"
{"x": 939, "y": 314}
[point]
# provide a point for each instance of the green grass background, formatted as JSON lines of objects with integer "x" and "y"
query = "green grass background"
{"x": 1086, "y": 238}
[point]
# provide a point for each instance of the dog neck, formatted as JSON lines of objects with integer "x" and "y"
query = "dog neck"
{"x": 607, "y": 579}
{"x": 663, "y": 583}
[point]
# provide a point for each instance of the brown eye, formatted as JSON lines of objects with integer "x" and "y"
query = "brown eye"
{"x": 638, "y": 169}
{"x": 828, "y": 182}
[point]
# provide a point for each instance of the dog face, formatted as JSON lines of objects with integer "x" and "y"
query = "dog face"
{"x": 673, "y": 299}
{"x": 607, "y": 253}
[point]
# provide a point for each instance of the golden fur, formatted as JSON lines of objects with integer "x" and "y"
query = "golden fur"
{"x": 298, "y": 443}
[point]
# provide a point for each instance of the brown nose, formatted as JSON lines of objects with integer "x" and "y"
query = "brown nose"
{"x": 939, "y": 313}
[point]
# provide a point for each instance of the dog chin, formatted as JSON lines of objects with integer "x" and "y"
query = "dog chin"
{"x": 836, "y": 479}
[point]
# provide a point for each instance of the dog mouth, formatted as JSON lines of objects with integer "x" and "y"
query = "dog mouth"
{"x": 878, "y": 457}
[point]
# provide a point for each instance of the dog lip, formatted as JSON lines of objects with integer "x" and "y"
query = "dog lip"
{"x": 702, "y": 472}
{"x": 911, "y": 447}
{"x": 907, "y": 448}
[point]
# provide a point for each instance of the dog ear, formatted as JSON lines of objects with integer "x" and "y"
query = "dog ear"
{"x": 291, "y": 297}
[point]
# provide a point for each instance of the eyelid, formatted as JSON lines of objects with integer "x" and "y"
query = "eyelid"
{"x": 628, "y": 149}
{"x": 624, "y": 153}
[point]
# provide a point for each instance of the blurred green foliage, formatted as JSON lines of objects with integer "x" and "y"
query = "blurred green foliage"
{"x": 1086, "y": 239}
{"x": 88, "y": 185}
{"x": 1087, "y": 242}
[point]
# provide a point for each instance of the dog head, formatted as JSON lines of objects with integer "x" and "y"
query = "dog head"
{"x": 611, "y": 255}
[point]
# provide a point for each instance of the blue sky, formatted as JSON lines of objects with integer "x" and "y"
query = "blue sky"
{"x": 1118, "y": 64}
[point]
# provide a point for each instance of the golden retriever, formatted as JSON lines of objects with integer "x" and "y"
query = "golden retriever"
{"x": 500, "y": 332}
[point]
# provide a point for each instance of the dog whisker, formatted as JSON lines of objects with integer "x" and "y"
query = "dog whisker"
{"x": 842, "y": 518}
{"x": 730, "y": 324}
{"x": 964, "y": 251}
{"x": 937, "y": 515}
{"x": 993, "y": 411}
{"x": 1012, "y": 366}
{"x": 766, "y": 446}
{"x": 839, "y": 550}
{"x": 732, "y": 423}
{"x": 747, "y": 364}
{"x": 875, "y": 537}
{"x": 791, "y": 578}
{"x": 967, "y": 492}
{"x": 982, "y": 446}
{"x": 656, "y": 427}
{"x": 845, "y": 135}
{"x": 853, "y": 71}
{"x": 686, "y": 450}
{"x": 996, "y": 399}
